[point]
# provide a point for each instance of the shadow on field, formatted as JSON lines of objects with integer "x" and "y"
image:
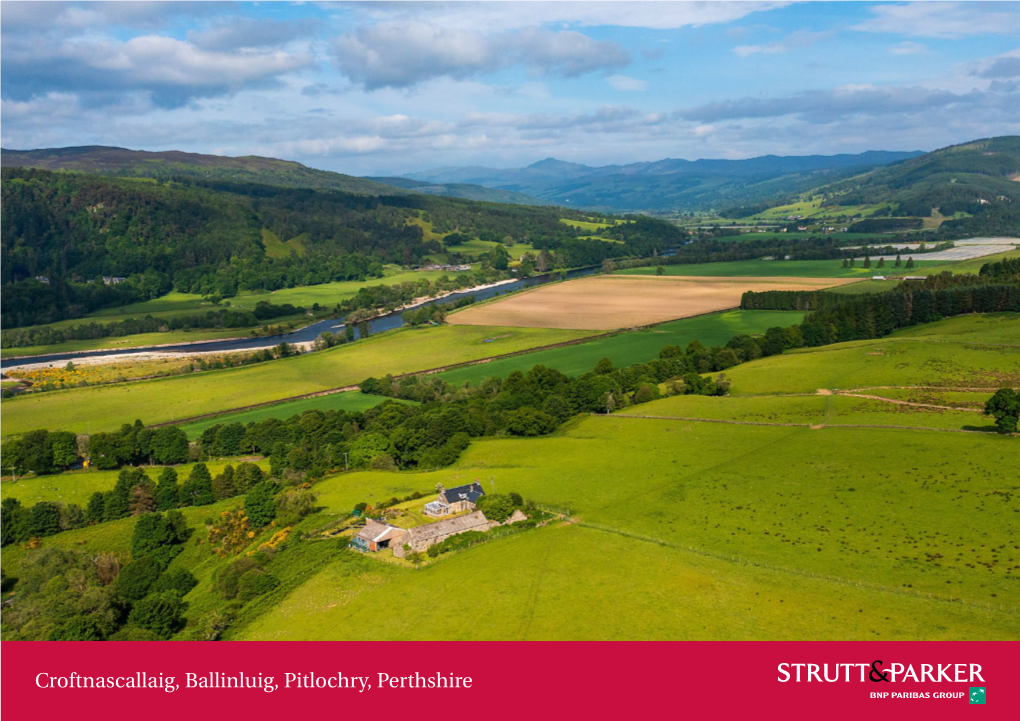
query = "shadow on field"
{"x": 987, "y": 429}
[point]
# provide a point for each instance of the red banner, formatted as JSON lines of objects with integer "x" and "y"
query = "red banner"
{"x": 519, "y": 680}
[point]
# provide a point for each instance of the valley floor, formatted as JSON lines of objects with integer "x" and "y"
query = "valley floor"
{"x": 847, "y": 492}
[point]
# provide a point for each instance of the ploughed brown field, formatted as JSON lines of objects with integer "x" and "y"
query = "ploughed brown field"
{"x": 607, "y": 302}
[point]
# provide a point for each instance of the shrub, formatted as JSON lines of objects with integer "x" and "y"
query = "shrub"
{"x": 645, "y": 394}
{"x": 161, "y": 613}
{"x": 154, "y": 531}
{"x": 176, "y": 579}
{"x": 254, "y": 583}
{"x": 293, "y": 504}
{"x": 231, "y": 534}
{"x": 79, "y": 628}
{"x": 133, "y": 633}
{"x": 227, "y": 579}
{"x": 136, "y": 579}
{"x": 260, "y": 504}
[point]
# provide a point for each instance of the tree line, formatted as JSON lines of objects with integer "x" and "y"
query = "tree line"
{"x": 222, "y": 318}
{"x": 837, "y": 317}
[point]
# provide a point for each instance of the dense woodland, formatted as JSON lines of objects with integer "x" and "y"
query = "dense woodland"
{"x": 206, "y": 237}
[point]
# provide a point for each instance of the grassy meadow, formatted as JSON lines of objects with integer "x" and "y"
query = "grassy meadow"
{"x": 920, "y": 356}
{"x": 691, "y": 529}
{"x": 632, "y": 347}
{"x": 174, "y": 398}
{"x": 575, "y": 583}
{"x": 77, "y": 486}
{"x": 790, "y": 269}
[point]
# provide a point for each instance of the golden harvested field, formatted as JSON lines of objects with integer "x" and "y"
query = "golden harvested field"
{"x": 607, "y": 302}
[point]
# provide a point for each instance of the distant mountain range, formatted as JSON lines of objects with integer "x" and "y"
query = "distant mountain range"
{"x": 666, "y": 184}
{"x": 970, "y": 178}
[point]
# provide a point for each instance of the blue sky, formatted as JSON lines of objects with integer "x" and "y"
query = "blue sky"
{"x": 389, "y": 88}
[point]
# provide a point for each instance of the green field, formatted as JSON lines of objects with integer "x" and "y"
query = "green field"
{"x": 276, "y": 248}
{"x": 77, "y": 486}
{"x": 329, "y": 294}
{"x": 351, "y": 401}
{"x": 777, "y": 235}
{"x": 576, "y": 583}
{"x": 823, "y": 532}
{"x": 690, "y": 529}
{"x": 475, "y": 247}
{"x": 592, "y": 226}
{"x": 921, "y": 356}
{"x": 813, "y": 209}
{"x": 790, "y": 269}
{"x": 130, "y": 341}
{"x": 169, "y": 399}
{"x": 176, "y": 304}
{"x": 816, "y": 410}
{"x": 634, "y": 346}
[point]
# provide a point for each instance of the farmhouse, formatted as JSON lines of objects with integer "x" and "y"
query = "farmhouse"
{"x": 420, "y": 538}
{"x": 376, "y": 536}
{"x": 454, "y": 500}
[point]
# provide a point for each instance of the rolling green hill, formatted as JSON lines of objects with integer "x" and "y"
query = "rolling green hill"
{"x": 970, "y": 188}
{"x": 66, "y": 234}
{"x": 176, "y": 165}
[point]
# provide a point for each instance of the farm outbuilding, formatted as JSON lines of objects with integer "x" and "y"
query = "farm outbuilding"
{"x": 376, "y": 536}
{"x": 420, "y": 538}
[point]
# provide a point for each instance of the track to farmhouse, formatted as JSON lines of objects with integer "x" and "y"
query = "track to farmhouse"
{"x": 813, "y": 426}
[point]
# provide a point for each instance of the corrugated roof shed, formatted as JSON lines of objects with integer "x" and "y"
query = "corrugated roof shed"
{"x": 376, "y": 531}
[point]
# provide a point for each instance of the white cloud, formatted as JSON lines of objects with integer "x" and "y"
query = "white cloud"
{"x": 104, "y": 70}
{"x": 908, "y": 47}
{"x": 845, "y": 102}
{"x": 1002, "y": 66}
{"x": 404, "y": 53}
{"x": 502, "y": 16}
{"x": 622, "y": 82}
{"x": 943, "y": 19}
{"x": 798, "y": 39}
{"x": 250, "y": 33}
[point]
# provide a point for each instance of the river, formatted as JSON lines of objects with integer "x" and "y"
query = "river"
{"x": 309, "y": 332}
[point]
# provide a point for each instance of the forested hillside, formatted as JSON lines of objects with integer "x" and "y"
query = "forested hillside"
{"x": 971, "y": 186}
{"x": 176, "y": 165}
{"x": 666, "y": 185}
{"x": 64, "y": 232}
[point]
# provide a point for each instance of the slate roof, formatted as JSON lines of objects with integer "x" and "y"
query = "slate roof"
{"x": 470, "y": 493}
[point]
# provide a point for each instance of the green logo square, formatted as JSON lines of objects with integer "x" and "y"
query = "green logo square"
{"x": 977, "y": 694}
